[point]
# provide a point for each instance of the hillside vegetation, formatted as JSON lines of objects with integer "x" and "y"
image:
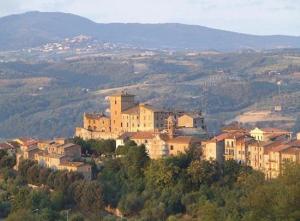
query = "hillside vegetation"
{"x": 47, "y": 98}
{"x": 36, "y": 28}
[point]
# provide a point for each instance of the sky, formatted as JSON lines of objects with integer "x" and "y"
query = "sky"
{"x": 263, "y": 17}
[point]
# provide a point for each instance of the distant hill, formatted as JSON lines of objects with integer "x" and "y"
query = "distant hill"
{"x": 35, "y": 28}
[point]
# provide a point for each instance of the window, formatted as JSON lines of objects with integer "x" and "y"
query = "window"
{"x": 171, "y": 147}
{"x": 121, "y": 124}
{"x": 115, "y": 101}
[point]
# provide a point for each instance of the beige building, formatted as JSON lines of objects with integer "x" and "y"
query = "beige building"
{"x": 58, "y": 155}
{"x": 162, "y": 132}
{"x": 194, "y": 120}
{"x": 213, "y": 150}
{"x": 125, "y": 116}
{"x": 162, "y": 144}
{"x": 128, "y": 116}
{"x": 231, "y": 145}
{"x": 96, "y": 122}
{"x": 271, "y": 149}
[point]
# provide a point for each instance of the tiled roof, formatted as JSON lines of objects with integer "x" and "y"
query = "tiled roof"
{"x": 6, "y": 146}
{"x": 26, "y": 141}
{"x": 274, "y": 130}
{"x": 150, "y": 107}
{"x": 291, "y": 150}
{"x": 142, "y": 135}
{"x": 183, "y": 139}
{"x": 132, "y": 110}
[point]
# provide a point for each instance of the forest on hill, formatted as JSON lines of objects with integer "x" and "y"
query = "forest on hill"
{"x": 175, "y": 188}
{"x": 42, "y": 27}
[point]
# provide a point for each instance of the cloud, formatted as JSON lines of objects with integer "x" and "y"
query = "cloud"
{"x": 250, "y": 16}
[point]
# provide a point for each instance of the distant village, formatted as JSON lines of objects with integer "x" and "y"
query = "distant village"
{"x": 164, "y": 133}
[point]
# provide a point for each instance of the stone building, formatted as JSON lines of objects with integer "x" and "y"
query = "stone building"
{"x": 165, "y": 143}
{"x": 264, "y": 149}
{"x": 134, "y": 120}
{"x": 125, "y": 116}
{"x": 57, "y": 154}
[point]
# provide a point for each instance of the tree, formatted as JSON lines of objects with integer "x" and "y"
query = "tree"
{"x": 161, "y": 175}
{"x": 131, "y": 204}
{"x": 203, "y": 172}
{"x": 88, "y": 196}
{"x": 22, "y": 215}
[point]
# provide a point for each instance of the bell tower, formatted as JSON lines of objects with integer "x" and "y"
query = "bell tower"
{"x": 171, "y": 125}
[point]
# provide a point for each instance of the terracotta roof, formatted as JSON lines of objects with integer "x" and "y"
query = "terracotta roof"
{"x": 295, "y": 143}
{"x": 275, "y": 146}
{"x": 142, "y": 135}
{"x": 274, "y": 130}
{"x": 220, "y": 137}
{"x": 137, "y": 135}
{"x": 150, "y": 107}
{"x": 6, "y": 146}
{"x": 132, "y": 110}
{"x": 291, "y": 150}
{"x": 183, "y": 139}
{"x": 26, "y": 141}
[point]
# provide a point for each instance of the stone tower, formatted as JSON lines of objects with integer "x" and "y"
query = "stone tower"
{"x": 118, "y": 103}
{"x": 171, "y": 125}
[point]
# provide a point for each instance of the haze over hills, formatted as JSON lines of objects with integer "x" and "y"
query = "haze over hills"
{"x": 36, "y": 28}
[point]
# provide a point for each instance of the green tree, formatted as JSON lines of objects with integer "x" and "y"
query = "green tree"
{"x": 22, "y": 215}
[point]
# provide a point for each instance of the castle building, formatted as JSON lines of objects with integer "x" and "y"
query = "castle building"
{"x": 163, "y": 132}
{"x": 96, "y": 122}
{"x": 59, "y": 154}
{"x": 125, "y": 116}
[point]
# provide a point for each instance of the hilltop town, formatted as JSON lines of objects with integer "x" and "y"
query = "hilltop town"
{"x": 144, "y": 148}
{"x": 163, "y": 133}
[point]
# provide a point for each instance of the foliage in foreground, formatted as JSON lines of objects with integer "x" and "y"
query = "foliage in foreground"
{"x": 177, "y": 188}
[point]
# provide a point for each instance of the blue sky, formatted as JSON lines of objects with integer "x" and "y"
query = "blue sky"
{"x": 247, "y": 16}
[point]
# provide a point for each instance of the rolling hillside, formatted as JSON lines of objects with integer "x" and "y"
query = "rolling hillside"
{"x": 35, "y": 28}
